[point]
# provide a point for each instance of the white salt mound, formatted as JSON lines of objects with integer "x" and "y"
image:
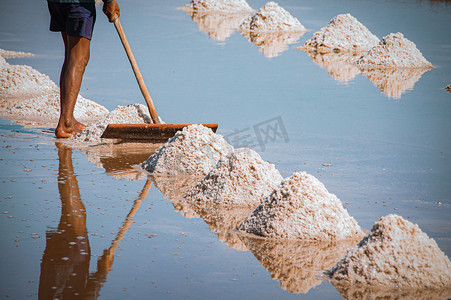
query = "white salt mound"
{"x": 131, "y": 114}
{"x": 271, "y": 17}
{"x": 195, "y": 150}
{"x": 302, "y": 208}
{"x": 218, "y": 5}
{"x": 240, "y": 179}
{"x": 2, "y": 62}
{"x": 47, "y": 107}
{"x": 28, "y": 95}
{"x": 13, "y": 54}
{"x": 343, "y": 33}
{"x": 394, "y": 51}
{"x": 20, "y": 80}
{"x": 396, "y": 254}
{"x": 448, "y": 88}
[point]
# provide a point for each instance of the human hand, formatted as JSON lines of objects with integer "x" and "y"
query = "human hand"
{"x": 111, "y": 10}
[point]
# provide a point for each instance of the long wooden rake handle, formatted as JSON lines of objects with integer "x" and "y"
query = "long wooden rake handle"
{"x": 139, "y": 77}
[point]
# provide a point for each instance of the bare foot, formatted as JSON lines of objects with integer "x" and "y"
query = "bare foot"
{"x": 66, "y": 130}
{"x": 80, "y": 125}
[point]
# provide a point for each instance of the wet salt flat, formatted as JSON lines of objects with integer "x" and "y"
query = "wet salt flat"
{"x": 378, "y": 140}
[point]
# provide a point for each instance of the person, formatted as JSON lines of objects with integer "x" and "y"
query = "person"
{"x": 75, "y": 20}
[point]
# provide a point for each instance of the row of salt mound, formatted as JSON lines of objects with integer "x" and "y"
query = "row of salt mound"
{"x": 396, "y": 254}
{"x": 229, "y": 6}
{"x": 345, "y": 33}
{"x": 270, "y": 18}
{"x": 302, "y": 208}
{"x": 240, "y": 179}
{"x": 195, "y": 150}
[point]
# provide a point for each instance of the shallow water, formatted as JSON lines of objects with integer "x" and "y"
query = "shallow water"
{"x": 379, "y": 152}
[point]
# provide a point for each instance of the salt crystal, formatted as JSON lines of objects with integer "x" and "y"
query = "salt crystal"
{"x": 343, "y": 33}
{"x": 301, "y": 208}
{"x": 396, "y": 254}
{"x": 240, "y": 179}
{"x": 14, "y": 54}
{"x": 270, "y": 18}
{"x": 394, "y": 51}
{"x": 195, "y": 150}
{"x": 218, "y": 5}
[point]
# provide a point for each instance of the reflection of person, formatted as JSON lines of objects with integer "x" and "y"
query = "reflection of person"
{"x": 65, "y": 263}
{"x": 75, "y": 20}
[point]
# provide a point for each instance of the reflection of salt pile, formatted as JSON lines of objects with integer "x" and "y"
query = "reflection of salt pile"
{"x": 272, "y": 44}
{"x": 13, "y": 54}
{"x": 118, "y": 160}
{"x": 296, "y": 265}
{"x": 301, "y": 208}
{"x": 362, "y": 292}
{"x": 174, "y": 188}
{"x": 394, "y": 51}
{"x": 131, "y": 114}
{"x": 28, "y": 95}
{"x": 270, "y": 18}
{"x": 396, "y": 254}
{"x": 338, "y": 65}
{"x": 240, "y": 179}
{"x": 195, "y": 150}
{"x": 218, "y": 5}
{"x": 394, "y": 82}
{"x": 343, "y": 33}
{"x": 219, "y": 26}
{"x": 223, "y": 220}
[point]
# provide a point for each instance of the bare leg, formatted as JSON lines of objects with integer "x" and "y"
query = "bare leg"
{"x": 75, "y": 61}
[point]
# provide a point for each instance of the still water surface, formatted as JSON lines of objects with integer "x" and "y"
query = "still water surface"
{"x": 86, "y": 220}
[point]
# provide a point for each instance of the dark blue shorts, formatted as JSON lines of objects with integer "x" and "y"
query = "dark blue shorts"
{"x": 76, "y": 19}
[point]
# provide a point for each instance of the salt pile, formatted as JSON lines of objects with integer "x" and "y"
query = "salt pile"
{"x": 343, "y": 33}
{"x": 448, "y": 88}
{"x": 396, "y": 254}
{"x": 131, "y": 114}
{"x": 301, "y": 208}
{"x": 270, "y": 18}
{"x": 240, "y": 179}
{"x": 13, "y": 54}
{"x": 218, "y": 5}
{"x": 195, "y": 150}
{"x": 28, "y": 95}
{"x": 296, "y": 264}
{"x": 20, "y": 80}
{"x": 394, "y": 51}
